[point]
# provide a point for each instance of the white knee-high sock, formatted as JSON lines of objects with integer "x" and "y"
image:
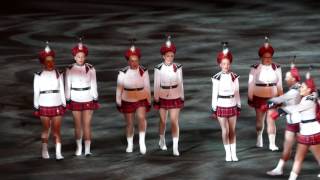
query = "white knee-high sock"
{"x": 58, "y": 152}
{"x": 175, "y": 146}
{"x": 79, "y": 147}
{"x": 228, "y": 152}
{"x": 45, "y": 152}
{"x": 142, "y": 144}
{"x": 130, "y": 144}
{"x": 87, "y": 144}
{"x": 234, "y": 152}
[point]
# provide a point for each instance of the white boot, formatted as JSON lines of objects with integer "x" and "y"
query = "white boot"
{"x": 175, "y": 146}
{"x": 259, "y": 139}
{"x": 130, "y": 144}
{"x": 58, "y": 152}
{"x": 162, "y": 143}
{"x": 228, "y": 152}
{"x": 278, "y": 171}
{"x": 272, "y": 142}
{"x": 142, "y": 144}
{"x": 293, "y": 176}
{"x": 87, "y": 145}
{"x": 45, "y": 153}
{"x": 233, "y": 152}
{"x": 79, "y": 147}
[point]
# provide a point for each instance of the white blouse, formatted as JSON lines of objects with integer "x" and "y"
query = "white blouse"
{"x": 43, "y": 84}
{"x": 307, "y": 110}
{"x": 78, "y": 77}
{"x": 133, "y": 85}
{"x": 168, "y": 81}
{"x": 269, "y": 76}
{"x": 225, "y": 90}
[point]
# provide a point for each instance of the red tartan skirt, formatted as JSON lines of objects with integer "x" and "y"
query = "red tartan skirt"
{"x": 51, "y": 111}
{"x": 131, "y": 107}
{"x": 259, "y": 102}
{"x": 293, "y": 127}
{"x": 227, "y": 111}
{"x": 81, "y": 106}
{"x": 309, "y": 140}
{"x": 169, "y": 104}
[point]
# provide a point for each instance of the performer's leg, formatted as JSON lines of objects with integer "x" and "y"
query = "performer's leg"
{"x": 225, "y": 136}
{"x": 289, "y": 140}
{"x": 162, "y": 128}
{"x": 56, "y": 124}
{"x": 232, "y": 121}
{"x": 174, "y": 117}
{"x": 87, "y": 135}
{"x": 260, "y": 118}
{"x": 129, "y": 131}
{"x": 141, "y": 114}
{"x": 272, "y": 129}
{"x": 77, "y": 116}
{"x": 45, "y": 136}
{"x": 301, "y": 152}
{"x": 315, "y": 149}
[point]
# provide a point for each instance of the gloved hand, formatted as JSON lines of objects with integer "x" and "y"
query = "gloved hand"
{"x": 213, "y": 114}
{"x": 270, "y": 104}
{"x": 119, "y": 108}
{"x": 36, "y": 112}
{"x": 68, "y": 105}
{"x": 238, "y": 109}
{"x": 250, "y": 103}
{"x": 274, "y": 115}
{"x": 156, "y": 105}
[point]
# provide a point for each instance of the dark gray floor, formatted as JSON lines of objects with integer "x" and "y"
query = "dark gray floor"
{"x": 197, "y": 28}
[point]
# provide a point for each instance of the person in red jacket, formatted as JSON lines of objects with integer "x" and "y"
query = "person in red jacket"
{"x": 49, "y": 100}
{"x": 226, "y": 102}
{"x": 168, "y": 93}
{"x": 133, "y": 96}
{"x": 82, "y": 96}
{"x": 265, "y": 82}
{"x": 308, "y": 137}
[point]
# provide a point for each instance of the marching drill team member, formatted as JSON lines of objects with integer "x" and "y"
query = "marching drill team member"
{"x": 309, "y": 133}
{"x": 133, "y": 96}
{"x": 168, "y": 93}
{"x": 265, "y": 82}
{"x": 49, "y": 100}
{"x": 82, "y": 96}
{"x": 226, "y": 103}
{"x": 292, "y": 97}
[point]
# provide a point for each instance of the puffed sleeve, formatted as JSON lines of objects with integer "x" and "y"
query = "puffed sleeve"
{"x": 215, "y": 90}
{"x": 279, "y": 83}
{"x": 302, "y": 106}
{"x": 36, "y": 91}
{"x": 61, "y": 86}
{"x": 119, "y": 90}
{"x": 94, "y": 88}
{"x": 237, "y": 93}
{"x": 67, "y": 84}
{"x": 291, "y": 94}
{"x": 147, "y": 85}
{"x": 156, "y": 85}
{"x": 180, "y": 79}
{"x": 251, "y": 84}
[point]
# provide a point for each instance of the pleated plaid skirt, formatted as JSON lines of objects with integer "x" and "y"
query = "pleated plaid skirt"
{"x": 309, "y": 140}
{"x": 51, "y": 111}
{"x": 81, "y": 106}
{"x": 130, "y": 107}
{"x": 169, "y": 104}
{"x": 227, "y": 111}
